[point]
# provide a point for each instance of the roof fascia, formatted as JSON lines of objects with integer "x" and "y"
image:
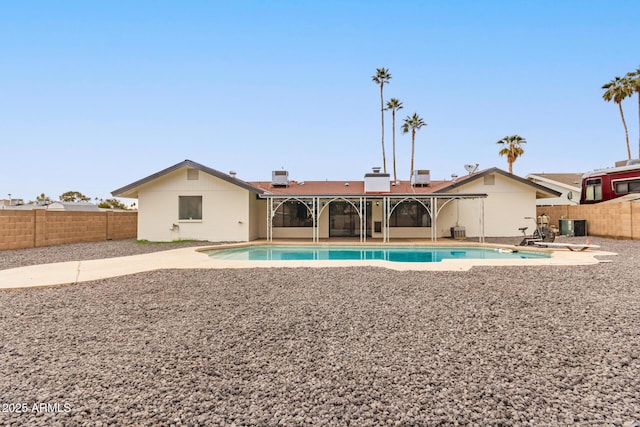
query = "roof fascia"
{"x": 183, "y": 164}
{"x": 538, "y": 187}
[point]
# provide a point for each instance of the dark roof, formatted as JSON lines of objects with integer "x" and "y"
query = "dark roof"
{"x": 469, "y": 178}
{"x": 131, "y": 189}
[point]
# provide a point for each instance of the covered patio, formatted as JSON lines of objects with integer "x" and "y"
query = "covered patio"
{"x": 315, "y": 206}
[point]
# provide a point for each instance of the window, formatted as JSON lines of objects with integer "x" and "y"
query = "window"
{"x": 593, "y": 189}
{"x": 629, "y": 186}
{"x": 293, "y": 214}
{"x": 410, "y": 214}
{"x": 190, "y": 207}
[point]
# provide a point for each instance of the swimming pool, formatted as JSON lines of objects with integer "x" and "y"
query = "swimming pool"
{"x": 384, "y": 253}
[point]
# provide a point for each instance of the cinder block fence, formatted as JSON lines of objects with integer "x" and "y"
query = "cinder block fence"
{"x": 39, "y": 227}
{"x": 616, "y": 220}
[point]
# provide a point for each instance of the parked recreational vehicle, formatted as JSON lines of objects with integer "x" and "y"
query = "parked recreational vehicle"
{"x": 601, "y": 185}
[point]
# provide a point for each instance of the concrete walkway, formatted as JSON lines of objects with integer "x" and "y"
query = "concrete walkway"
{"x": 71, "y": 272}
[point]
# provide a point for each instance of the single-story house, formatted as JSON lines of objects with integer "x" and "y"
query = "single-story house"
{"x": 191, "y": 201}
{"x": 568, "y": 184}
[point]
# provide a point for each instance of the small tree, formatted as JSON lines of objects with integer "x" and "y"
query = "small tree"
{"x": 74, "y": 196}
{"x": 511, "y": 146}
{"x": 111, "y": 204}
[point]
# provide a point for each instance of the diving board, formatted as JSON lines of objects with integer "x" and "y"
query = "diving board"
{"x": 577, "y": 247}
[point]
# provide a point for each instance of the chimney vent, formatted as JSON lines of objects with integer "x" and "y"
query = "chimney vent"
{"x": 232, "y": 174}
{"x": 377, "y": 182}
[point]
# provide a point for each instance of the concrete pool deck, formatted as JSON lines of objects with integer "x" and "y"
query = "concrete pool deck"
{"x": 71, "y": 272}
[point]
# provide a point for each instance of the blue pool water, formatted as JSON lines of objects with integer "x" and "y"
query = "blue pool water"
{"x": 386, "y": 253}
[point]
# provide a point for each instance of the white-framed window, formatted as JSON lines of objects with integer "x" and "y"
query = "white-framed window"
{"x": 627, "y": 186}
{"x": 593, "y": 189}
{"x": 190, "y": 208}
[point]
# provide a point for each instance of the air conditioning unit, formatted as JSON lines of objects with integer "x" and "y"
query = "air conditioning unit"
{"x": 280, "y": 178}
{"x": 421, "y": 177}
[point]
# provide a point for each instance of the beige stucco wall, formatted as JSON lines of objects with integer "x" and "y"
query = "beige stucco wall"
{"x": 225, "y": 209}
{"x": 505, "y": 208}
{"x": 256, "y": 217}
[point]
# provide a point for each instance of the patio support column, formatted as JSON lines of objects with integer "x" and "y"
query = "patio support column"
{"x": 434, "y": 219}
{"x": 482, "y": 220}
{"x": 364, "y": 227}
{"x": 360, "y": 219}
{"x": 314, "y": 231}
{"x": 269, "y": 220}
{"x": 385, "y": 219}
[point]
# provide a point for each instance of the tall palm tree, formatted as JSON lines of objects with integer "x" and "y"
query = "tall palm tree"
{"x": 382, "y": 76}
{"x": 412, "y": 123}
{"x": 617, "y": 90}
{"x": 634, "y": 83}
{"x": 512, "y": 148}
{"x": 394, "y": 105}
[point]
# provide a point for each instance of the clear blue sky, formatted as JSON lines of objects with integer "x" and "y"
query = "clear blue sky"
{"x": 98, "y": 94}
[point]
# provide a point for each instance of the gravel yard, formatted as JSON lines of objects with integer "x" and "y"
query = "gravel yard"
{"x": 331, "y": 346}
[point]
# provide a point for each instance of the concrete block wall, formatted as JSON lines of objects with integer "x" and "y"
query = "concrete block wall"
{"x": 39, "y": 227}
{"x": 616, "y": 220}
{"x": 17, "y": 229}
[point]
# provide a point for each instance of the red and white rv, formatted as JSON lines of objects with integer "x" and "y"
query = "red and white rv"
{"x": 601, "y": 185}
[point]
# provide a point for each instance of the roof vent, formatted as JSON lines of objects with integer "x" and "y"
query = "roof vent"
{"x": 280, "y": 178}
{"x": 421, "y": 177}
{"x": 232, "y": 174}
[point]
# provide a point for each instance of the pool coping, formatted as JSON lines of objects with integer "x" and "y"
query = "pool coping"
{"x": 72, "y": 272}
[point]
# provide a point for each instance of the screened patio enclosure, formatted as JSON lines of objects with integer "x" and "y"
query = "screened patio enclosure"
{"x": 351, "y": 216}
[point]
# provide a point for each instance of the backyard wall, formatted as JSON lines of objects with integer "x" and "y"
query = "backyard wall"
{"x": 616, "y": 220}
{"x": 35, "y": 228}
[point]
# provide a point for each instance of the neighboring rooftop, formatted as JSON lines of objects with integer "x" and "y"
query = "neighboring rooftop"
{"x": 572, "y": 179}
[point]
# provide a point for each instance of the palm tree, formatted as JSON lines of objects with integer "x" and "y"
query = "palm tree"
{"x": 634, "y": 83}
{"x": 382, "y": 76}
{"x": 394, "y": 105}
{"x": 512, "y": 148}
{"x": 617, "y": 90}
{"x": 414, "y": 123}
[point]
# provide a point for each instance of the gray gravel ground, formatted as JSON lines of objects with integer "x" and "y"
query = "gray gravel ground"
{"x": 85, "y": 251}
{"x": 332, "y": 346}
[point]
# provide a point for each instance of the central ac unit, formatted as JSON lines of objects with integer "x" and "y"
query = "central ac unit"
{"x": 421, "y": 177}
{"x": 280, "y": 178}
